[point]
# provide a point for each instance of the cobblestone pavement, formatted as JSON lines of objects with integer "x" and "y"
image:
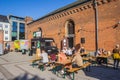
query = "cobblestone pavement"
{"x": 15, "y": 65}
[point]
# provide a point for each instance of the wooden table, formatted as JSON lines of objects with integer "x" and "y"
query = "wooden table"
{"x": 64, "y": 63}
{"x": 84, "y": 54}
{"x": 103, "y": 59}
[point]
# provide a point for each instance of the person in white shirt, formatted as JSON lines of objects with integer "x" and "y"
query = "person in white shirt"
{"x": 44, "y": 56}
{"x": 69, "y": 52}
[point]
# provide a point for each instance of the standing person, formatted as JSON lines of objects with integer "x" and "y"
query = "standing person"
{"x": 77, "y": 59}
{"x": 116, "y": 56}
{"x": 23, "y": 51}
{"x": 30, "y": 52}
{"x": 8, "y": 46}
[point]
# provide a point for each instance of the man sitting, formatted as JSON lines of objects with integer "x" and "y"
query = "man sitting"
{"x": 44, "y": 57}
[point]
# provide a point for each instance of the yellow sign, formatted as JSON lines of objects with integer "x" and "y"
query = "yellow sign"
{"x": 17, "y": 44}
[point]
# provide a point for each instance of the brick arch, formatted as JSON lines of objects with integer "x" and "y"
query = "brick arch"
{"x": 69, "y": 27}
{"x": 70, "y": 32}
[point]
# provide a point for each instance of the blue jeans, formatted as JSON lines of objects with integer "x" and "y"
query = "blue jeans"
{"x": 116, "y": 63}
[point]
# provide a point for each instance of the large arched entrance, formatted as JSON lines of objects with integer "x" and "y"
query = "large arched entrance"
{"x": 70, "y": 32}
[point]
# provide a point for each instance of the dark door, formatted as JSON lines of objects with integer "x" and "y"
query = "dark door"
{"x": 70, "y": 42}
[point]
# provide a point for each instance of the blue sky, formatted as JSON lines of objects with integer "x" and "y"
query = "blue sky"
{"x": 32, "y": 8}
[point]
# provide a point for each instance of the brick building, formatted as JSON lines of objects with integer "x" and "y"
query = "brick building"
{"x": 76, "y": 22}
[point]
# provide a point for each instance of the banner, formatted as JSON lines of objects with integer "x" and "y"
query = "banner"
{"x": 23, "y": 44}
{"x": 17, "y": 44}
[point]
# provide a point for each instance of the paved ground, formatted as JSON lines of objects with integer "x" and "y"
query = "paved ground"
{"x": 15, "y": 65}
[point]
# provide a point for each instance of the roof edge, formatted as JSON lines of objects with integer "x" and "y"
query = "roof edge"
{"x": 74, "y": 4}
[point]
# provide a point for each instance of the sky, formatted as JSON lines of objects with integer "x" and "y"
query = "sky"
{"x": 33, "y": 8}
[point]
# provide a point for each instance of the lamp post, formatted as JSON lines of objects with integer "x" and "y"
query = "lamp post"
{"x": 96, "y": 25}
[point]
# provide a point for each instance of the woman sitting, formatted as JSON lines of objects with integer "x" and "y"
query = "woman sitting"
{"x": 77, "y": 60}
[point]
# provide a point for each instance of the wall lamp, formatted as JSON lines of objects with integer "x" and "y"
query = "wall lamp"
{"x": 79, "y": 30}
{"x": 116, "y": 25}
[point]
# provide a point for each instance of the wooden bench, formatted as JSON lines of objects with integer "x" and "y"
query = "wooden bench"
{"x": 86, "y": 65}
{"x": 56, "y": 68}
{"x": 36, "y": 58}
{"x": 74, "y": 70}
{"x": 41, "y": 65}
{"x": 34, "y": 61}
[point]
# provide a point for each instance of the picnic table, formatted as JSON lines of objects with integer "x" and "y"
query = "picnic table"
{"x": 102, "y": 59}
{"x": 34, "y": 61}
{"x": 84, "y": 54}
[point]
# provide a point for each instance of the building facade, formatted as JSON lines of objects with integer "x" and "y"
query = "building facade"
{"x": 76, "y": 22}
{"x": 17, "y": 27}
{"x": 12, "y": 28}
{"x": 5, "y": 27}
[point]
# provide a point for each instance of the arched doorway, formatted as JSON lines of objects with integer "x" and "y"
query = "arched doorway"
{"x": 70, "y": 32}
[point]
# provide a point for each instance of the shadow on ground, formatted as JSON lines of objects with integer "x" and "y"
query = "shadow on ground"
{"x": 103, "y": 73}
{"x": 25, "y": 77}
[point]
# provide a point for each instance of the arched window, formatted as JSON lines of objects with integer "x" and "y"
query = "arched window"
{"x": 71, "y": 28}
{"x": 70, "y": 32}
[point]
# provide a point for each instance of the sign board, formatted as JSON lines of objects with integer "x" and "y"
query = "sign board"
{"x": 21, "y": 44}
{"x": 24, "y": 44}
{"x": 64, "y": 43}
{"x": 48, "y": 40}
{"x": 1, "y": 49}
{"x": 37, "y": 34}
{"x": 17, "y": 44}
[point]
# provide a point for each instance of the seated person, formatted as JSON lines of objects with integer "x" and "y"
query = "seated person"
{"x": 62, "y": 57}
{"x": 44, "y": 56}
{"x": 69, "y": 52}
{"x": 64, "y": 50}
{"x": 83, "y": 52}
{"x": 77, "y": 59}
{"x": 101, "y": 52}
{"x": 53, "y": 57}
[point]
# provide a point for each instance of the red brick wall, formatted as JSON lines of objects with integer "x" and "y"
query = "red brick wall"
{"x": 27, "y": 20}
{"x": 83, "y": 17}
{"x": 1, "y": 36}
